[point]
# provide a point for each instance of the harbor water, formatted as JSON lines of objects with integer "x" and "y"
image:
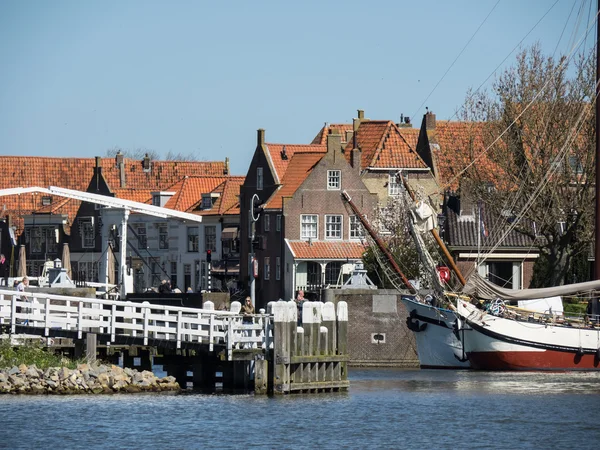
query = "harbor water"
{"x": 384, "y": 408}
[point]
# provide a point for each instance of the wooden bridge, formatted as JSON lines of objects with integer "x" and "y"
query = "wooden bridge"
{"x": 226, "y": 335}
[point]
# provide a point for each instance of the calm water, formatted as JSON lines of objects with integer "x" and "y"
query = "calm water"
{"x": 384, "y": 409}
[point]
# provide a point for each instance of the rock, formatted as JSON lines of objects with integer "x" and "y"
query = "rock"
{"x": 23, "y": 368}
{"x": 14, "y": 370}
{"x": 63, "y": 373}
{"x": 3, "y": 377}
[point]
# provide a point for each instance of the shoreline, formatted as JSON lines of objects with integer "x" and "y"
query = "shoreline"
{"x": 85, "y": 379}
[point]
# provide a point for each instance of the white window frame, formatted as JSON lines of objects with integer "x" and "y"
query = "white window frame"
{"x": 393, "y": 186}
{"x": 210, "y": 239}
{"x": 304, "y": 235}
{"x": 140, "y": 230}
{"x": 355, "y": 228}
{"x": 163, "y": 236}
{"x": 329, "y": 227}
{"x": 88, "y": 232}
{"x": 334, "y": 180}
{"x": 267, "y": 268}
{"x": 259, "y": 179}
{"x": 193, "y": 245}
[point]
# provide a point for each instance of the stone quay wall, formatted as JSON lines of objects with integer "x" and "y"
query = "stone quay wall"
{"x": 85, "y": 379}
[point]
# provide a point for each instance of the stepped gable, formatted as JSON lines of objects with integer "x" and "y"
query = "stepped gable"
{"x": 298, "y": 168}
{"x": 384, "y": 145}
{"x": 76, "y": 173}
{"x": 341, "y": 128}
{"x": 280, "y": 155}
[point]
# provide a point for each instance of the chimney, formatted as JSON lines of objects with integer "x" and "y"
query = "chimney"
{"x": 355, "y": 159}
{"x": 260, "y": 137}
{"x": 334, "y": 143}
{"x": 98, "y": 163}
{"x": 429, "y": 121}
{"x": 146, "y": 163}
{"x": 122, "y": 173}
{"x": 349, "y": 135}
{"x": 226, "y": 169}
{"x": 361, "y": 114}
{"x": 118, "y": 158}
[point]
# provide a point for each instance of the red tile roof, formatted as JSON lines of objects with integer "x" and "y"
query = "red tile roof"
{"x": 280, "y": 164}
{"x": 462, "y": 143}
{"x": 384, "y": 145}
{"x": 228, "y": 202}
{"x": 299, "y": 167}
{"x": 327, "y": 249}
{"x": 77, "y": 173}
{"x": 188, "y": 191}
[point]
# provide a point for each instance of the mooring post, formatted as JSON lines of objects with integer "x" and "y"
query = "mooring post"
{"x": 280, "y": 354}
{"x": 90, "y": 347}
{"x": 342, "y": 339}
{"x": 261, "y": 376}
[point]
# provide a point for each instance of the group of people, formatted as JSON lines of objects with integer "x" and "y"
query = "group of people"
{"x": 166, "y": 288}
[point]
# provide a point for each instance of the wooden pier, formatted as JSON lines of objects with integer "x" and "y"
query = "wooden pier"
{"x": 269, "y": 352}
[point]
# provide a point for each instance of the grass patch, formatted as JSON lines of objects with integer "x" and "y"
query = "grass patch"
{"x": 30, "y": 354}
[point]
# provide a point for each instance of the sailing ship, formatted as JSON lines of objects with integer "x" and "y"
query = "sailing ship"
{"x": 505, "y": 338}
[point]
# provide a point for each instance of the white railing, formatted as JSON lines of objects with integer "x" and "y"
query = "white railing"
{"x": 140, "y": 320}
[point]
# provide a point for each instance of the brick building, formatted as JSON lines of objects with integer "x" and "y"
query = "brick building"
{"x": 305, "y": 236}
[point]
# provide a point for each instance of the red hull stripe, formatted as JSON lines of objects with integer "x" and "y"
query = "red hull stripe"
{"x": 546, "y": 360}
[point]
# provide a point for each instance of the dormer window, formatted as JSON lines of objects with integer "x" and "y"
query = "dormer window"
{"x": 161, "y": 198}
{"x": 46, "y": 200}
{"x": 208, "y": 200}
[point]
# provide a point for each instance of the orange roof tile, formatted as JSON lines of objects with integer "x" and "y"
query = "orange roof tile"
{"x": 461, "y": 143}
{"x": 280, "y": 163}
{"x": 327, "y": 249}
{"x": 76, "y": 173}
{"x": 188, "y": 191}
{"x": 383, "y": 145}
{"x": 299, "y": 167}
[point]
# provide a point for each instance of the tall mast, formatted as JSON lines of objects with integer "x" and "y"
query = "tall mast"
{"x": 597, "y": 228}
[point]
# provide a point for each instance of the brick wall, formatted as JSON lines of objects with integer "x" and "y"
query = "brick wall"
{"x": 377, "y": 312}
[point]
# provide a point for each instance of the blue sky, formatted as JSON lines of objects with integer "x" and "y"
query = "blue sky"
{"x": 81, "y": 77}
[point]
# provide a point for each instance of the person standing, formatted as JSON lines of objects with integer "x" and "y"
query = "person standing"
{"x": 299, "y": 304}
{"x": 3, "y": 270}
{"x": 24, "y": 284}
{"x": 247, "y": 307}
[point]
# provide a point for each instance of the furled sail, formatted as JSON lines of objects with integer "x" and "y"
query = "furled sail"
{"x": 479, "y": 287}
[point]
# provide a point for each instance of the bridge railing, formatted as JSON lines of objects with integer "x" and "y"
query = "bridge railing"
{"x": 141, "y": 320}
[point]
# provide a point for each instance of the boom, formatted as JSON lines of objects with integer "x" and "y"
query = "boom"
{"x": 380, "y": 244}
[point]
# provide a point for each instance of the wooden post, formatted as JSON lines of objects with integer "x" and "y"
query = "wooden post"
{"x": 90, "y": 347}
{"x": 280, "y": 352}
{"x": 330, "y": 323}
{"x": 341, "y": 371}
{"x": 261, "y": 377}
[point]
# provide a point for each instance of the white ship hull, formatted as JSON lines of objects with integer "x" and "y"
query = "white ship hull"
{"x": 437, "y": 344}
{"x": 496, "y": 343}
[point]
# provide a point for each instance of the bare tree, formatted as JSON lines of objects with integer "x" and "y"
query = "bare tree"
{"x": 534, "y": 161}
{"x": 138, "y": 153}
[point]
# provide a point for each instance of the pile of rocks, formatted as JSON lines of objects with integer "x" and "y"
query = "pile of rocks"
{"x": 86, "y": 379}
